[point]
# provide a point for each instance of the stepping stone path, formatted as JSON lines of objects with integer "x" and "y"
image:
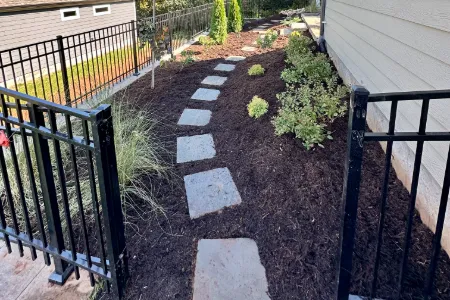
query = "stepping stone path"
{"x": 197, "y": 147}
{"x": 214, "y": 80}
{"x": 248, "y": 49}
{"x": 225, "y": 67}
{"x": 210, "y": 191}
{"x": 227, "y": 269}
{"x": 195, "y": 117}
{"x": 235, "y": 58}
{"x": 206, "y": 95}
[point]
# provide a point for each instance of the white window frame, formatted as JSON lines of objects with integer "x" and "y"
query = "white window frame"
{"x": 95, "y": 7}
{"x": 76, "y": 9}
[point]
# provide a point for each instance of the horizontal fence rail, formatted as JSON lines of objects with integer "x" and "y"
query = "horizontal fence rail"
{"x": 60, "y": 190}
{"x": 71, "y": 69}
{"x": 357, "y": 136}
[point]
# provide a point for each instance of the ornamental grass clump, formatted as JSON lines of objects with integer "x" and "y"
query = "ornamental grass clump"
{"x": 139, "y": 157}
{"x": 234, "y": 17}
{"x": 256, "y": 70}
{"x": 219, "y": 26}
{"x": 257, "y": 107}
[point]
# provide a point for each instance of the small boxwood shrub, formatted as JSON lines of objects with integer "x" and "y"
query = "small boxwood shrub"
{"x": 257, "y": 107}
{"x": 267, "y": 41}
{"x": 256, "y": 70}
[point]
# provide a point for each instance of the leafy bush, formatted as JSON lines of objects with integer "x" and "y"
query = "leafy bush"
{"x": 234, "y": 17}
{"x": 299, "y": 45}
{"x": 257, "y": 107}
{"x": 312, "y": 7}
{"x": 188, "y": 57}
{"x": 268, "y": 39}
{"x": 256, "y": 70}
{"x": 219, "y": 31}
{"x": 207, "y": 42}
{"x": 307, "y": 110}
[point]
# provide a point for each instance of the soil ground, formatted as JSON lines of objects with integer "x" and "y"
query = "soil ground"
{"x": 290, "y": 197}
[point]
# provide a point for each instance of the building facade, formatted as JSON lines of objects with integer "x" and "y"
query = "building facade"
{"x": 394, "y": 46}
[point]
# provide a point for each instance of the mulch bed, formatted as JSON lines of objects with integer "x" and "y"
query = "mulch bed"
{"x": 290, "y": 197}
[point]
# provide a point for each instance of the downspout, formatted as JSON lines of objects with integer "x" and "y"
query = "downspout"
{"x": 322, "y": 44}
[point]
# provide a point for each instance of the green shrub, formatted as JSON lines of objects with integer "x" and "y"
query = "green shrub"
{"x": 218, "y": 30}
{"x": 306, "y": 111}
{"x": 257, "y": 107}
{"x": 207, "y": 42}
{"x": 313, "y": 67}
{"x": 298, "y": 45}
{"x": 312, "y": 7}
{"x": 188, "y": 57}
{"x": 234, "y": 17}
{"x": 267, "y": 41}
{"x": 256, "y": 70}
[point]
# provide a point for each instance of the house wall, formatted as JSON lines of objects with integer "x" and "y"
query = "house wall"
{"x": 400, "y": 45}
{"x": 23, "y": 28}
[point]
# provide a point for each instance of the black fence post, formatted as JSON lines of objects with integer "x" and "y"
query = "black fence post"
{"x": 170, "y": 33}
{"x": 49, "y": 195}
{"x": 103, "y": 134}
{"x": 64, "y": 73}
{"x": 352, "y": 179}
{"x": 134, "y": 41}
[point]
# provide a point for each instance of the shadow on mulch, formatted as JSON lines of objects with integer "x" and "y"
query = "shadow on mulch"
{"x": 290, "y": 197}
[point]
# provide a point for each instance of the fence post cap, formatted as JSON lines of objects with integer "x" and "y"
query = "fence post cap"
{"x": 360, "y": 90}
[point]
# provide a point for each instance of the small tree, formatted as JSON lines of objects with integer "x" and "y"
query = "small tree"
{"x": 234, "y": 17}
{"x": 219, "y": 22}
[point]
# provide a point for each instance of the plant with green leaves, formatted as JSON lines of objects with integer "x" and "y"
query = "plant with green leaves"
{"x": 298, "y": 45}
{"x": 267, "y": 40}
{"x": 256, "y": 70}
{"x": 234, "y": 17}
{"x": 207, "y": 42}
{"x": 306, "y": 111}
{"x": 219, "y": 26}
{"x": 188, "y": 57}
{"x": 257, "y": 107}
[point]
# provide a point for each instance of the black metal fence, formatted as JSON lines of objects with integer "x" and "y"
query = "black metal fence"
{"x": 357, "y": 136}
{"x": 71, "y": 69}
{"x": 60, "y": 189}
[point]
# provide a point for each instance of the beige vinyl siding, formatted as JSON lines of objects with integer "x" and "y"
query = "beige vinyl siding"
{"x": 24, "y": 28}
{"x": 399, "y": 45}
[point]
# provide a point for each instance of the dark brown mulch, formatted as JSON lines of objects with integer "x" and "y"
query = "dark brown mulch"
{"x": 290, "y": 197}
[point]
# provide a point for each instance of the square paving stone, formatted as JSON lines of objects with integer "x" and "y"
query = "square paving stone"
{"x": 248, "y": 49}
{"x": 229, "y": 269}
{"x": 206, "y": 94}
{"x": 195, "y": 117}
{"x": 197, "y": 147}
{"x": 235, "y": 58}
{"x": 225, "y": 67}
{"x": 210, "y": 191}
{"x": 299, "y": 26}
{"x": 214, "y": 80}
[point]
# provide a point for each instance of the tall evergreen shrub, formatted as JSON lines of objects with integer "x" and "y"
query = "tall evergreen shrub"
{"x": 234, "y": 17}
{"x": 219, "y": 31}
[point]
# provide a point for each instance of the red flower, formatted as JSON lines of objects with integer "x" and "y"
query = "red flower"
{"x": 4, "y": 141}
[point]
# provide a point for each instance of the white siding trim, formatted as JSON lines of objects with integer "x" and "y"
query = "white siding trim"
{"x": 95, "y": 7}
{"x": 64, "y": 10}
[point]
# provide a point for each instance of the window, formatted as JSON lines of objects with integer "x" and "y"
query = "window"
{"x": 70, "y": 14}
{"x": 100, "y": 10}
